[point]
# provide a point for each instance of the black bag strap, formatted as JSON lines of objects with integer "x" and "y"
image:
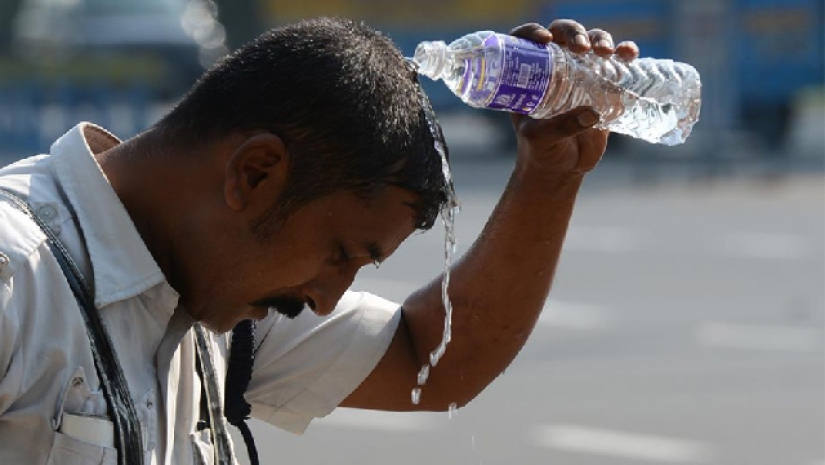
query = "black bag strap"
{"x": 239, "y": 373}
{"x": 127, "y": 431}
{"x": 235, "y": 408}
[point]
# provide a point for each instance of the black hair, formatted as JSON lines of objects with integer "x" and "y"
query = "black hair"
{"x": 344, "y": 100}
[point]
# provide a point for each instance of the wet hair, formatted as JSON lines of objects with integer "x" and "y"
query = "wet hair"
{"x": 344, "y": 100}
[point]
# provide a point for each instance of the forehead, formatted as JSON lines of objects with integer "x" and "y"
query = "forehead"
{"x": 385, "y": 219}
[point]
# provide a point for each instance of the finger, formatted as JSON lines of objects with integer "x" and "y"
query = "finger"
{"x": 602, "y": 42}
{"x": 559, "y": 127}
{"x": 533, "y": 32}
{"x": 570, "y": 34}
{"x": 627, "y": 51}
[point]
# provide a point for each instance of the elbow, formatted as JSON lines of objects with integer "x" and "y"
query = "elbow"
{"x": 448, "y": 398}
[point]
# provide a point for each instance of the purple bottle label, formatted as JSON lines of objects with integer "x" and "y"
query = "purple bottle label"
{"x": 520, "y": 85}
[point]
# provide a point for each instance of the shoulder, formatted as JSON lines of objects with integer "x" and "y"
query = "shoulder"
{"x": 20, "y": 240}
{"x": 20, "y": 237}
{"x": 307, "y": 366}
{"x": 31, "y": 179}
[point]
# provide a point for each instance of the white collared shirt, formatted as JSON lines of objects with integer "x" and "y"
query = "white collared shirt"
{"x": 303, "y": 368}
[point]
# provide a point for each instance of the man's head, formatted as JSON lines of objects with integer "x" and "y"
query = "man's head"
{"x": 321, "y": 115}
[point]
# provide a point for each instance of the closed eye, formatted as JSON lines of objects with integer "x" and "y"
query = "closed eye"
{"x": 341, "y": 256}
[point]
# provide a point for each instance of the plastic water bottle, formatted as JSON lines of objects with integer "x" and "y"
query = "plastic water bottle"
{"x": 650, "y": 99}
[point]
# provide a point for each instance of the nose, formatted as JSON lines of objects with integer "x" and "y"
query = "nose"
{"x": 324, "y": 292}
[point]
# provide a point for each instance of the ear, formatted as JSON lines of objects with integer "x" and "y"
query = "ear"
{"x": 257, "y": 169}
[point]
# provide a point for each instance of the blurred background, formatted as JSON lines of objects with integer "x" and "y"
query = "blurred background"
{"x": 686, "y": 321}
{"x": 122, "y": 63}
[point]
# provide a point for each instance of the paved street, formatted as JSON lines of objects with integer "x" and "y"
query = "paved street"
{"x": 685, "y": 326}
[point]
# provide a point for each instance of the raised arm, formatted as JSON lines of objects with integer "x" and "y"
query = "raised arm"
{"x": 500, "y": 285}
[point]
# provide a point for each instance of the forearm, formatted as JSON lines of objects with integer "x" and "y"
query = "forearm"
{"x": 497, "y": 289}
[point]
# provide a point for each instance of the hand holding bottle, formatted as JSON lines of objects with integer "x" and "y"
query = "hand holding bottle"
{"x": 566, "y": 143}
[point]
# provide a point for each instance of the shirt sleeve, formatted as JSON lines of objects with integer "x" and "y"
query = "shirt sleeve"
{"x": 9, "y": 346}
{"x": 306, "y": 367}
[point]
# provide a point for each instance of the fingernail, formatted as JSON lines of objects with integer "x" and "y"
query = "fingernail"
{"x": 588, "y": 118}
{"x": 604, "y": 43}
{"x": 580, "y": 40}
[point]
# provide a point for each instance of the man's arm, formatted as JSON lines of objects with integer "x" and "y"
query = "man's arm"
{"x": 500, "y": 285}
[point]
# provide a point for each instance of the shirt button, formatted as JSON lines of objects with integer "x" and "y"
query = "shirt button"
{"x": 47, "y": 212}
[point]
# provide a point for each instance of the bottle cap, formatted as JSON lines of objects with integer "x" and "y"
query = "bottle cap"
{"x": 431, "y": 58}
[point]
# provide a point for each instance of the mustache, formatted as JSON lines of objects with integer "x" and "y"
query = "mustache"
{"x": 289, "y": 307}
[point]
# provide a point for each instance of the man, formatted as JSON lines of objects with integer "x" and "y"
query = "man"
{"x": 290, "y": 165}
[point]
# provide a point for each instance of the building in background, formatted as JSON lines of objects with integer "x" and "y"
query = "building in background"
{"x": 108, "y": 61}
{"x": 761, "y": 60}
{"x": 177, "y": 38}
{"x": 757, "y": 57}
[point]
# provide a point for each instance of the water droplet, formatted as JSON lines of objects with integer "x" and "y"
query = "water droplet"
{"x": 423, "y": 375}
{"x": 448, "y": 214}
{"x": 416, "y": 395}
{"x": 452, "y": 410}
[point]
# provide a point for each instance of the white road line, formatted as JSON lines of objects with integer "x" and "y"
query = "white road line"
{"x": 762, "y": 245}
{"x": 601, "y": 239}
{"x": 761, "y": 337}
{"x": 574, "y": 315}
{"x": 383, "y": 421}
{"x": 656, "y": 449}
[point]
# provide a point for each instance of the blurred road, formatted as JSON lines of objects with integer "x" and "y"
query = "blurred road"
{"x": 685, "y": 326}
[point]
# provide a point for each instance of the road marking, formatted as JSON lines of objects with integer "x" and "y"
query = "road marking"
{"x": 601, "y": 239}
{"x": 761, "y": 337}
{"x": 383, "y": 421}
{"x": 574, "y": 315}
{"x": 657, "y": 449}
{"x": 777, "y": 246}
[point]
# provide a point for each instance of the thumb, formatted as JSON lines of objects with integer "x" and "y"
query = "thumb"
{"x": 558, "y": 127}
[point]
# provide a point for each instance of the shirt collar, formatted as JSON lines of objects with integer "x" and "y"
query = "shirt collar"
{"x": 121, "y": 263}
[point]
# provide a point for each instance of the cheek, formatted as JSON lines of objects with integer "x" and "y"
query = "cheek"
{"x": 288, "y": 269}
